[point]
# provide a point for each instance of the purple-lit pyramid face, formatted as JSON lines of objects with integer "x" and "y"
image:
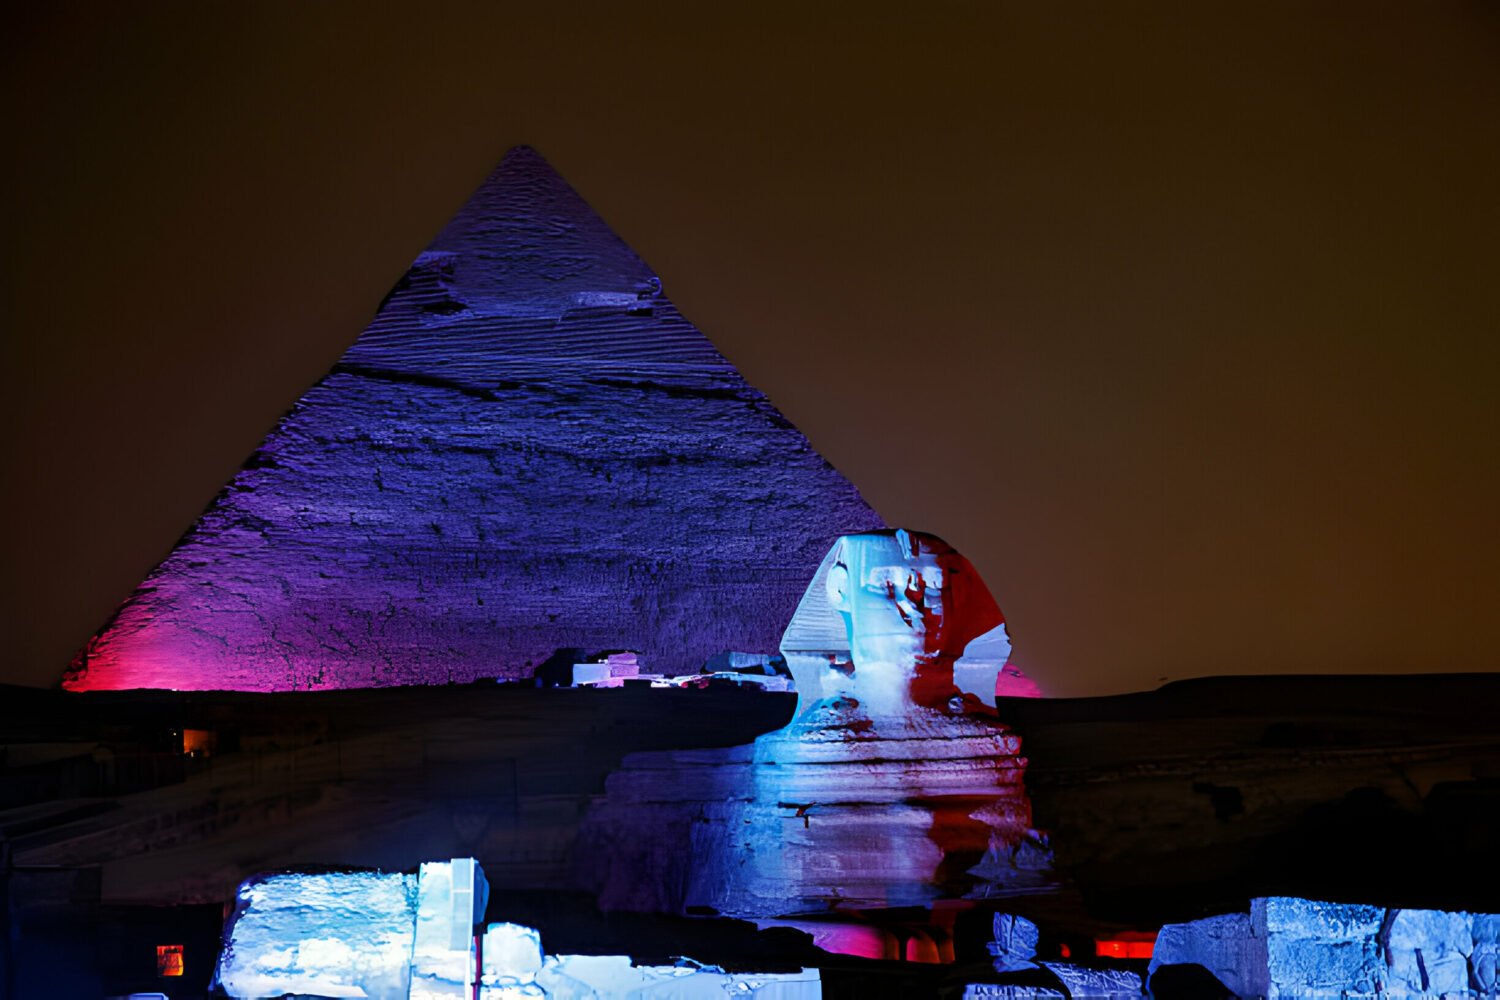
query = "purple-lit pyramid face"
{"x": 529, "y": 448}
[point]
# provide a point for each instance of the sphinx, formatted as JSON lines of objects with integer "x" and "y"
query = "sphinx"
{"x": 895, "y": 785}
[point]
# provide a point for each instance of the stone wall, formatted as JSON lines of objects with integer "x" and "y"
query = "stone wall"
{"x": 1290, "y": 947}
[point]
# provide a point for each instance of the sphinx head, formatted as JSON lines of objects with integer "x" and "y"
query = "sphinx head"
{"x": 909, "y": 604}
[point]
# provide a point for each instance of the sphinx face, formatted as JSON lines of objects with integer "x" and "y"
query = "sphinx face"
{"x": 897, "y": 595}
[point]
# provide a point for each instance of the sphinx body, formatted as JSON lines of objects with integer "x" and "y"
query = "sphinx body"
{"x": 894, "y": 786}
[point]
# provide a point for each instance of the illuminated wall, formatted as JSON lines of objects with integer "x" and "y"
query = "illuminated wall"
{"x": 528, "y": 448}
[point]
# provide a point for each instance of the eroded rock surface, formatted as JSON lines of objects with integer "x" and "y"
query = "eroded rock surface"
{"x": 335, "y": 934}
{"x": 529, "y": 448}
{"x": 1084, "y": 983}
{"x": 1291, "y": 947}
{"x": 1225, "y": 946}
{"x": 1014, "y": 946}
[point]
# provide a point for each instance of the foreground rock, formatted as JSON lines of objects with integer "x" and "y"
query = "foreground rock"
{"x": 1014, "y": 947}
{"x": 1022, "y": 976}
{"x": 1290, "y": 947}
{"x": 1083, "y": 983}
{"x": 346, "y": 934}
{"x": 403, "y": 937}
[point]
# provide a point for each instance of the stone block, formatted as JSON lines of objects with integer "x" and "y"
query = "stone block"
{"x": 1318, "y": 948}
{"x": 512, "y": 954}
{"x": 1014, "y": 947}
{"x": 1311, "y": 918}
{"x": 1082, "y": 981}
{"x": 528, "y": 449}
{"x": 1427, "y": 951}
{"x": 451, "y": 896}
{"x": 1484, "y": 965}
{"x": 336, "y": 934}
{"x": 1225, "y": 946}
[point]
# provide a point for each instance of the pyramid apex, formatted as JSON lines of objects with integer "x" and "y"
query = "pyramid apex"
{"x": 525, "y": 235}
{"x": 524, "y": 156}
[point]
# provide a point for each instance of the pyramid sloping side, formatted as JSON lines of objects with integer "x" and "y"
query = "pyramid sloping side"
{"x": 528, "y": 448}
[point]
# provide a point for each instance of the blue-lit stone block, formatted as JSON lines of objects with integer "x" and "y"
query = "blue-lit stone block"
{"x": 512, "y": 956}
{"x": 1226, "y": 946}
{"x": 1428, "y": 951}
{"x": 451, "y": 897}
{"x": 1014, "y": 947}
{"x": 1317, "y": 948}
{"x": 1289, "y": 947}
{"x": 1483, "y": 960}
{"x": 338, "y": 934}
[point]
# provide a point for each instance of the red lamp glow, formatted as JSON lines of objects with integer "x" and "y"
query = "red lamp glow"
{"x": 1126, "y": 944}
{"x": 168, "y": 960}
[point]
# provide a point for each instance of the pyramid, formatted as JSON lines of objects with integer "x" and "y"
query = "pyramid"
{"x": 528, "y": 450}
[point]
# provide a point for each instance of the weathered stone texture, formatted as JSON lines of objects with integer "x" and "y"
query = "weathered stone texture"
{"x": 1014, "y": 947}
{"x": 344, "y": 934}
{"x": 528, "y": 448}
{"x": 1227, "y": 946}
{"x": 1084, "y": 983}
{"x": 1291, "y": 947}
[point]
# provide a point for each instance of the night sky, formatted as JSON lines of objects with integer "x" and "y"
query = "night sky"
{"x": 1179, "y": 320}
